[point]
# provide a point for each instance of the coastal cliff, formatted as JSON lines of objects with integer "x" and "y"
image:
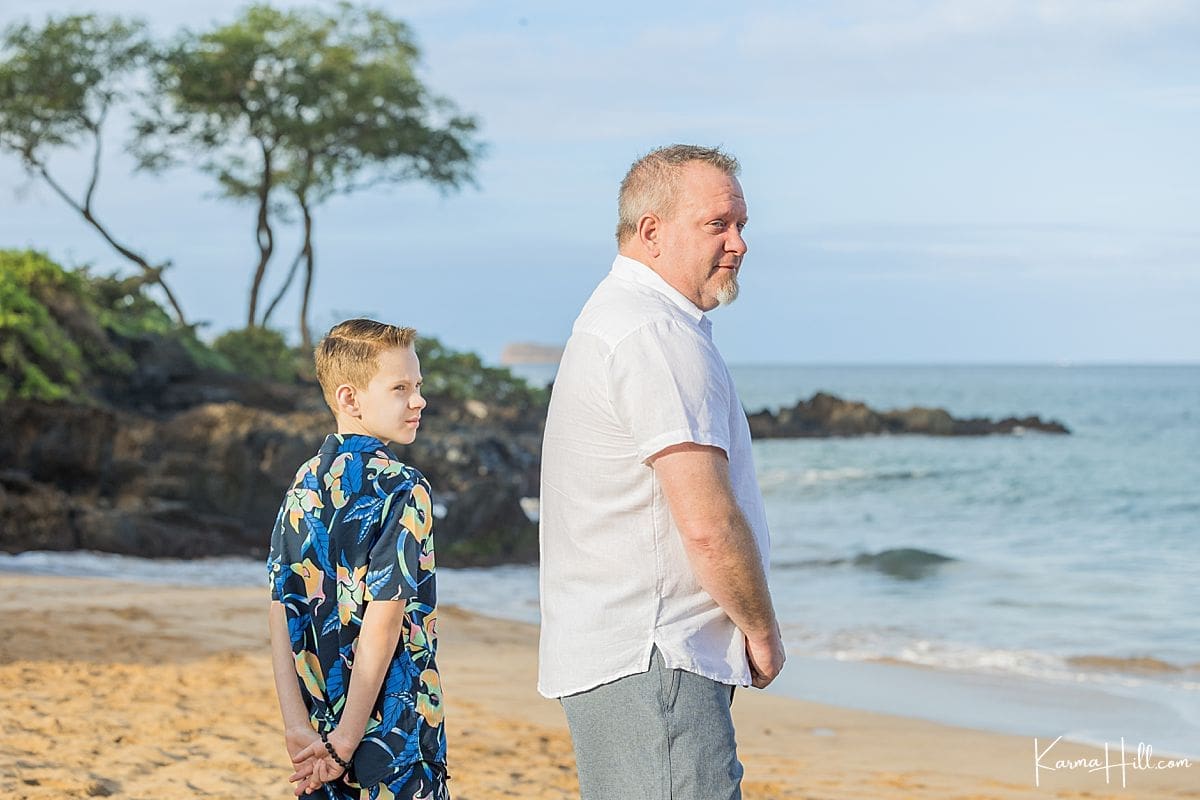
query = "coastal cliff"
{"x": 208, "y": 479}
{"x": 122, "y": 431}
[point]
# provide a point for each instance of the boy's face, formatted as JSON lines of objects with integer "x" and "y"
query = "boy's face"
{"x": 389, "y": 407}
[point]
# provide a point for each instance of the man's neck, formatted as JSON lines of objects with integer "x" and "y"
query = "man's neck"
{"x": 645, "y": 258}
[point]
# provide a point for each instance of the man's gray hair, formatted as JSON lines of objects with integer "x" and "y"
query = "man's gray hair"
{"x": 652, "y": 184}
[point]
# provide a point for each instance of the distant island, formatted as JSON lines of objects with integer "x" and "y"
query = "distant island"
{"x": 530, "y": 353}
{"x": 826, "y": 415}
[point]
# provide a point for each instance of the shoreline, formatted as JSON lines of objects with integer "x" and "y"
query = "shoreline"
{"x": 134, "y": 690}
{"x": 990, "y": 703}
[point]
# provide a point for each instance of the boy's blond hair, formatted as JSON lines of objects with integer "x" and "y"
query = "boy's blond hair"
{"x": 349, "y": 353}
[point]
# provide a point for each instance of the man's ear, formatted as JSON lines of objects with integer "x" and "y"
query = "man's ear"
{"x": 648, "y": 230}
{"x": 346, "y": 397}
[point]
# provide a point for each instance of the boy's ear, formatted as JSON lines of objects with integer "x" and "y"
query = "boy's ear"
{"x": 347, "y": 400}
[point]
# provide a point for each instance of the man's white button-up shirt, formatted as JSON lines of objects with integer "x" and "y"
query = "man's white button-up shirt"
{"x": 640, "y": 373}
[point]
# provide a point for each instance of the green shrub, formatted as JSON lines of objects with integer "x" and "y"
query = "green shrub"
{"x": 461, "y": 375}
{"x": 258, "y": 353}
{"x": 39, "y": 358}
{"x": 128, "y": 313}
{"x": 63, "y": 331}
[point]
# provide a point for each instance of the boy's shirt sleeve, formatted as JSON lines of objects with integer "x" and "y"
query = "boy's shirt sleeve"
{"x": 400, "y": 561}
{"x": 275, "y": 558}
{"x": 287, "y": 540}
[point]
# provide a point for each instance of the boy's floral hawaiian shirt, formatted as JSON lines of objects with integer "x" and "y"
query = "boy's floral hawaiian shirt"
{"x": 356, "y": 527}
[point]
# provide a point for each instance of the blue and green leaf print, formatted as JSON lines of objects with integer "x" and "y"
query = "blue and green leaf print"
{"x": 355, "y": 528}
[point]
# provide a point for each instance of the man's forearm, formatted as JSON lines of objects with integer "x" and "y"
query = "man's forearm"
{"x": 729, "y": 567}
{"x": 719, "y": 542}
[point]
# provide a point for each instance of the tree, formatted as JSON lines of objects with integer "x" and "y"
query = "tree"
{"x": 58, "y": 84}
{"x": 311, "y": 103}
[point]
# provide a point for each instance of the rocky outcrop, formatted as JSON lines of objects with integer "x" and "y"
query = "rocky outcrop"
{"x": 208, "y": 479}
{"x": 479, "y": 473}
{"x": 825, "y": 415}
{"x": 192, "y": 464}
{"x": 172, "y": 448}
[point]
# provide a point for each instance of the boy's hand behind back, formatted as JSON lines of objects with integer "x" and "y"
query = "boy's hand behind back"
{"x": 314, "y": 767}
{"x": 298, "y": 740}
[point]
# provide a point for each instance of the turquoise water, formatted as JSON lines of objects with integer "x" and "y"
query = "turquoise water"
{"x": 1059, "y": 548}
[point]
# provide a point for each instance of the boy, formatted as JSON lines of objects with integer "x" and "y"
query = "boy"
{"x": 353, "y": 611}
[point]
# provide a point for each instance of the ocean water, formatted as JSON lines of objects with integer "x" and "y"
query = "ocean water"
{"x": 1035, "y": 584}
{"x": 1051, "y": 582}
{"x": 1035, "y": 554}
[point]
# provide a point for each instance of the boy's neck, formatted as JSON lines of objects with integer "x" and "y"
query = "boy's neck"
{"x": 352, "y": 426}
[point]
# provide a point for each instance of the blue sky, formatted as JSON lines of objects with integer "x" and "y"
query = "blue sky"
{"x": 971, "y": 181}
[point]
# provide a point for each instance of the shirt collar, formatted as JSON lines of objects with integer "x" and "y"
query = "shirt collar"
{"x": 634, "y": 270}
{"x": 351, "y": 443}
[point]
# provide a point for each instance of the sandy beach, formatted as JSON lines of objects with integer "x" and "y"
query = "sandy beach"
{"x": 145, "y": 691}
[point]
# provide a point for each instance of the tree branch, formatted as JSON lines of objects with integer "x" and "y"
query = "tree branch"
{"x": 264, "y": 235}
{"x": 305, "y": 335}
{"x": 154, "y": 273}
{"x": 59, "y": 190}
{"x": 287, "y": 284}
{"x": 91, "y": 190}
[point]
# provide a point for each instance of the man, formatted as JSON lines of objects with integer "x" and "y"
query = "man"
{"x": 653, "y": 536}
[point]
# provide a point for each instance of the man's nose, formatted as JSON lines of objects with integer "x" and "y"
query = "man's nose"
{"x": 417, "y": 400}
{"x": 736, "y": 243}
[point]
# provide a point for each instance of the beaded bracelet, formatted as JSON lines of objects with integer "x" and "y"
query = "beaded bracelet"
{"x": 332, "y": 753}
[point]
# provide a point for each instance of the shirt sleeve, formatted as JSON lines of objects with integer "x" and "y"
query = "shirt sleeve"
{"x": 667, "y": 386}
{"x": 398, "y": 563}
{"x": 275, "y": 566}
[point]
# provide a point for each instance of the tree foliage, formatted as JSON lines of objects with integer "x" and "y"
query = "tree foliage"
{"x": 309, "y": 102}
{"x": 58, "y": 84}
{"x": 284, "y": 108}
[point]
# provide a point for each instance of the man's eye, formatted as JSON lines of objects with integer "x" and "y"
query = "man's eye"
{"x": 401, "y": 387}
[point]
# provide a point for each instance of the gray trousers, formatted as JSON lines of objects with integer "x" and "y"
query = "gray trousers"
{"x": 664, "y": 734}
